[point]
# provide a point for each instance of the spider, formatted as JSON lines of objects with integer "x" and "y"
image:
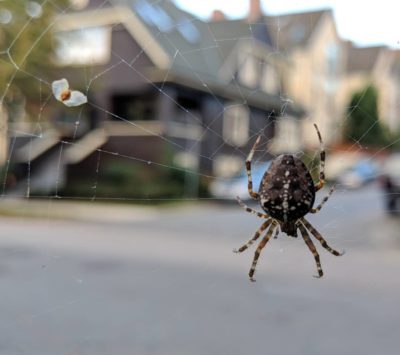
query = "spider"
{"x": 287, "y": 194}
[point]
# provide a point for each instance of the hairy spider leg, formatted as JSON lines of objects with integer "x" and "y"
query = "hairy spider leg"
{"x": 318, "y": 236}
{"x": 318, "y": 208}
{"x": 253, "y": 194}
{"x": 263, "y": 227}
{"x": 312, "y": 248}
{"x": 262, "y": 244}
{"x": 250, "y": 210}
{"x": 321, "y": 181}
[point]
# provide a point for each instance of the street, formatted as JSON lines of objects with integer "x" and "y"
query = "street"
{"x": 166, "y": 282}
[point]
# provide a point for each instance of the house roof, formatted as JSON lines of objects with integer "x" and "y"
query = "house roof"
{"x": 227, "y": 33}
{"x": 294, "y": 30}
{"x": 179, "y": 44}
{"x": 362, "y": 58}
{"x": 229, "y": 91}
{"x": 396, "y": 64}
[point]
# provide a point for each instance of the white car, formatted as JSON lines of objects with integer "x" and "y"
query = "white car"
{"x": 229, "y": 188}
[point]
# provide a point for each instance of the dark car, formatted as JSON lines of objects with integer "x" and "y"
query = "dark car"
{"x": 390, "y": 181}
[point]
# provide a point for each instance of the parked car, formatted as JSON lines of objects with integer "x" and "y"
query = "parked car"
{"x": 361, "y": 173}
{"x": 229, "y": 188}
{"x": 390, "y": 182}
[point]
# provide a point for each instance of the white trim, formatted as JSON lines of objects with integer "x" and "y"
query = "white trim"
{"x": 77, "y": 20}
{"x": 85, "y": 146}
{"x": 37, "y": 146}
{"x": 153, "y": 128}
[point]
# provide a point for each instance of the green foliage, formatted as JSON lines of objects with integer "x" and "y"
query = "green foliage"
{"x": 363, "y": 124}
{"x": 133, "y": 181}
{"x": 26, "y": 48}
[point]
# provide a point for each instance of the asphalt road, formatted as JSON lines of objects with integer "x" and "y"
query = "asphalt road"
{"x": 167, "y": 282}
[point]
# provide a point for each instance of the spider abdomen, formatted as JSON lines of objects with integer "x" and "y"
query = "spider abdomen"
{"x": 287, "y": 190}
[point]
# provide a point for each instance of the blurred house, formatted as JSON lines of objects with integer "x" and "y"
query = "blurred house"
{"x": 319, "y": 71}
{"x": 378, "y": 66}
{"x": 160, "y": 82}
{"x": 164, "y": 86}
{"x": 252, "y": 61}
{"x": 312, "y": 45}
{"x": 312, "y": 66}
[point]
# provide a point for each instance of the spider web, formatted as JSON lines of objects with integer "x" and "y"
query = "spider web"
{"x": 91, "y": 76}
{"x": 46, "y": 101}
{"x": 329, "y": 221}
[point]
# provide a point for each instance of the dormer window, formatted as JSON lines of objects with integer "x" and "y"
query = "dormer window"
{"x": 249, "y": 72}
{"x": 154, "y": 15}
{"x": 236, "y": 122}
{"x": 269, "y": 79}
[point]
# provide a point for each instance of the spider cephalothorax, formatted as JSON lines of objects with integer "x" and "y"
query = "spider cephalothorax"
{"x": 287, "y": 194}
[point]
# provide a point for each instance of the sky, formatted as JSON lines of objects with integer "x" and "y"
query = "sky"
{"x": 364, "y": 22}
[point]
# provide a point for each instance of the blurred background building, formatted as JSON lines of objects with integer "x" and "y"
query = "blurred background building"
{"x": 165, "y": 86}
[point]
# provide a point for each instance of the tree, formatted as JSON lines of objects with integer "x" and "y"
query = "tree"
{"x": 362, "y": 120}
{"x": 26, "y": 49}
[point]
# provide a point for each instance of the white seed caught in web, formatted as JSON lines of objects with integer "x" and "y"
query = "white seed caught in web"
{"x": 62, "y": 92}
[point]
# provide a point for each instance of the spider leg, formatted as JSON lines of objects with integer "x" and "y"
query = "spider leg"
{"x": 312, "y": 248}
{"x": 263, "y": 227}
{"x": 248, "y": 209}
{"x": 318, "y": 208}
{"x": 253, "y": 194}
{"x": 262, "y": 244}
{"x": 317, "y": 235}
{"x": 321, "y": 181}
{"x": 276, "y": 233}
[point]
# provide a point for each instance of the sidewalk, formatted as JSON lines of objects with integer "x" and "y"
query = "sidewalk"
{"x": 86, "y": 211}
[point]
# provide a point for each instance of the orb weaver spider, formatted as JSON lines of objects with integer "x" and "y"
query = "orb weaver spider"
{"x": 287, "y": 194}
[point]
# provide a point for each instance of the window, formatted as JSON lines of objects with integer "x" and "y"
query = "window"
{"x": 188, "y": 30}
{"x": 269, "y": 79}
{"x": 248, "y": 73}
{"x": 135, "y": 108}
{"x": 86, "y": 46}
{"x": 288, "y": 137}
{"x": 236, "y": 121}
{"x": 332, "y": 66}
{"x": 332, "y": 57}
{"x": 154, "y": 15}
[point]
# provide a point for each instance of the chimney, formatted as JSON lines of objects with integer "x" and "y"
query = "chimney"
{"x": 217, "y": 15}
{"x": 255, "y": 11}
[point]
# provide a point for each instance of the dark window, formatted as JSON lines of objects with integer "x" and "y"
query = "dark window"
{"x": 135, "y": 108}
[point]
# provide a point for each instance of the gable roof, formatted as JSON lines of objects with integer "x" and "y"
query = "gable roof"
{"x": 179, "y": 44}
{"x": 294, "y": 30}
{"x": 362, "y": 58}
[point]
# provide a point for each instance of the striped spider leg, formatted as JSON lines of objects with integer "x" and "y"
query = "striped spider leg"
{"x": 304, "y": 227}
{"x": 321, "y": 181}
{"x": 252, "y": 193}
